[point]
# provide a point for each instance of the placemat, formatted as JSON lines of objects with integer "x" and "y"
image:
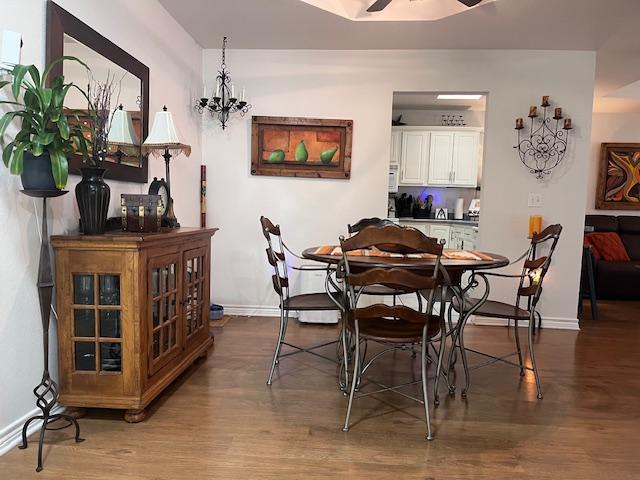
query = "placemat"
{"x": 449, "y": 253}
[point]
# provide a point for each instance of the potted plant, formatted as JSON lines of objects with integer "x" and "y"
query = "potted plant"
{"x": 45, "y": 137}
{"x": 92, "y": 192}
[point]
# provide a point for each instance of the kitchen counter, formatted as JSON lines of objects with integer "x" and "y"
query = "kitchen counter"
{"x": 467, "y": 221}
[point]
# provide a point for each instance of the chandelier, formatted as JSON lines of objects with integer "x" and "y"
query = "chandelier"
{"x": 224, "y": 101}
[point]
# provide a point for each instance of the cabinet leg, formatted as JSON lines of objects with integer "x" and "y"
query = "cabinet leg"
{"x": 76, "y": 412}
{"x": 135, "y": 416}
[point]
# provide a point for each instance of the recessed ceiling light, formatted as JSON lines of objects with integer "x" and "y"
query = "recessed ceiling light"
{"x": 456, "y": 96}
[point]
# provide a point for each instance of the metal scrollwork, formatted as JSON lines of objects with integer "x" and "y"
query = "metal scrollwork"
{"x": 545, "y": 145}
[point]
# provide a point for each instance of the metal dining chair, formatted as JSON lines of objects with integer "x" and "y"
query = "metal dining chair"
{"x": 319, "y": 301}
{"x": 529, "y": 290}
{"x": 396, "y": 327}
{"x": 381, "y": 290}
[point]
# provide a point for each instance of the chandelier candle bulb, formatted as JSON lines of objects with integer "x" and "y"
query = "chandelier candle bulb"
{"x": 557, "y": 113}
{"x": 242, "y": 95}
{"x": 545, "y": 101}
{"x": 233, "y": 91}
{"x": 533, "y": 111}
{"x": 567, "y": 124}
{"x": 519, "y": 124}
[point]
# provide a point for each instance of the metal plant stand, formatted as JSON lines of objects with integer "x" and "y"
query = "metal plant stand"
{"x": 46, "y": 391}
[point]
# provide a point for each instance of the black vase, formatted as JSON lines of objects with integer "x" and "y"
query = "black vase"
{"x": 92, "y": 195}
{"x": 36, "y": 172}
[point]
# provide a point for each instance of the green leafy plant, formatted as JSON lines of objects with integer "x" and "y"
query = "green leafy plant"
{"x": 44, "y": 124}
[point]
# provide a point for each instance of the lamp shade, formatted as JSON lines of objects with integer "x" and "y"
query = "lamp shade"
{"x": 164, "y": 136}
{"x": 122, "y": 131}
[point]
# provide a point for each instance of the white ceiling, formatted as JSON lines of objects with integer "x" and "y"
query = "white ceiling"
{"x": 606, "y": 26}
{"x": 397, "y": 10}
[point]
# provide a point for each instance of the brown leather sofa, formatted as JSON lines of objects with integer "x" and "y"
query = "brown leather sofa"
{"x": 618, "y": 280}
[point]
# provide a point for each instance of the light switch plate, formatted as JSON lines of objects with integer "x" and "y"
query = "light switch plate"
{"x": 535, "y": 200}
{"x": 10, "y": 51}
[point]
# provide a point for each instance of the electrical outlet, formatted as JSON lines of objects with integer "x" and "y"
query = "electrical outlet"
{"x": 535, "y": 200}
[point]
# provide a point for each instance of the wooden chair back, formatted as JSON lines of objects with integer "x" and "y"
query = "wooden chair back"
{"x": 536, "y": 266}
{"x": 392, "y": 238}
{"x": 276, "y": 257}
{"x": 396, "y": 278}
{"x": 367, "y": 222}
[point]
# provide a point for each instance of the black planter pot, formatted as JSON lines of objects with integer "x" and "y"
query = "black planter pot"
{"x": 92, "y": 195}
{"x": 36, "y": 173}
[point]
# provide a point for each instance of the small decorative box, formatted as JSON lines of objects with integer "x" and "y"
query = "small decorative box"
{"x": 141, "y": 213}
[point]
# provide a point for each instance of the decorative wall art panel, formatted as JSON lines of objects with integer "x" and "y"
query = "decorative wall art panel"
{"x": 619, "y": 178}
{"x": 301, "y": 147}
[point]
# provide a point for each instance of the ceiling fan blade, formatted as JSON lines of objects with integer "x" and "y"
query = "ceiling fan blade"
{"x": 470, "y": 3}
{"x": 378, "y": 6}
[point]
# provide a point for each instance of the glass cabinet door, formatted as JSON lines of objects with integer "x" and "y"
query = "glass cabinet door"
{"x": 163, "y": 313}
{"x": 97, "y": 331}
{"x": 195, "y": 306}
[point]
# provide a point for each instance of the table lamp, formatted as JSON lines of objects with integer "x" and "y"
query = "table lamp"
{"x": 164, "y": 140}
{"x": 122, "y": 133}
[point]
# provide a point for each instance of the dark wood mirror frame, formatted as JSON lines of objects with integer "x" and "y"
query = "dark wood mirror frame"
{"x": 61, "y": 22}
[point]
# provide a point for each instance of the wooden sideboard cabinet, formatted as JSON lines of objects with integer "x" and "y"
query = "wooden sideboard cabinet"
{"x": 133, "y": 313}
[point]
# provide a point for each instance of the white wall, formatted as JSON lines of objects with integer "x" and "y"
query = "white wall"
{"x": 609, "y": 128}
{"x": 149, "y": 33}
{"x": 359, "y": 85}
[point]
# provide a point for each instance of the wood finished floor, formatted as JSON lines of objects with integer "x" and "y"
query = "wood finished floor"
{"x": 220, "y": 420}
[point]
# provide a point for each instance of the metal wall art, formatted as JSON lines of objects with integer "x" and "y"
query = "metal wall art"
{"x": 544, "y": 145}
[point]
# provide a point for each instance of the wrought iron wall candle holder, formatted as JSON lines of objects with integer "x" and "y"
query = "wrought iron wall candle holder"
{"x": 224, "y": 101}
{"x": 544, "y": 146}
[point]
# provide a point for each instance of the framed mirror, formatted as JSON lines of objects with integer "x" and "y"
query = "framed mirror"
{"x": 66, "y": 35}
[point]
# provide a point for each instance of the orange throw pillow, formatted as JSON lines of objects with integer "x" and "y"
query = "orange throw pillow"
{"x": 609, "y": 245}
{"x": 592, "y": 247}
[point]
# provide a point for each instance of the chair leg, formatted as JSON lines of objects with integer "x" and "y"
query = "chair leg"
{"x": 284, "y": 333}
{"x": 539, "y": 320}
{"x": 276, "y": 353}
{"x": 465, "y": 365}
{"x": 345, "y": 357}
{"x": 453, "y": 357}
{"x": 443, "y": 342}
{"x": 533, "y": 357}
{"x": 354, "y": 380}
{"x": 425, "y": 395}
{"x": 518, "y": 349}
{"x": 592, "y": 287}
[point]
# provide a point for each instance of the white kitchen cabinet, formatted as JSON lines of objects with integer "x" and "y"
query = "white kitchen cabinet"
{"x": 453, "y": 159}
{"x": 396, "y": 147}
{"x": 414, "y": 157}
{"x": 465, "y": 159}
{"x": 464, "y": 237}
{"x": 440, "y": 158}
{"x": 441, "y": 232}
{"x": 423, "y": 227}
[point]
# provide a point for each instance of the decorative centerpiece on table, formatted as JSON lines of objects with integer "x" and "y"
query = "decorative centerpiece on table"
{"x": 92, "y": 192}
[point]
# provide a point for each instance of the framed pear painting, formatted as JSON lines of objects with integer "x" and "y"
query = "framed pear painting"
{"x": 301, "y": 147}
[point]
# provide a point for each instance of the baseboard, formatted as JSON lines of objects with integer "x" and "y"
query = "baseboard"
{"x": 254, "y": 311}
{"x": 11, "y": 435}
{"x": 558, "y": 323}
